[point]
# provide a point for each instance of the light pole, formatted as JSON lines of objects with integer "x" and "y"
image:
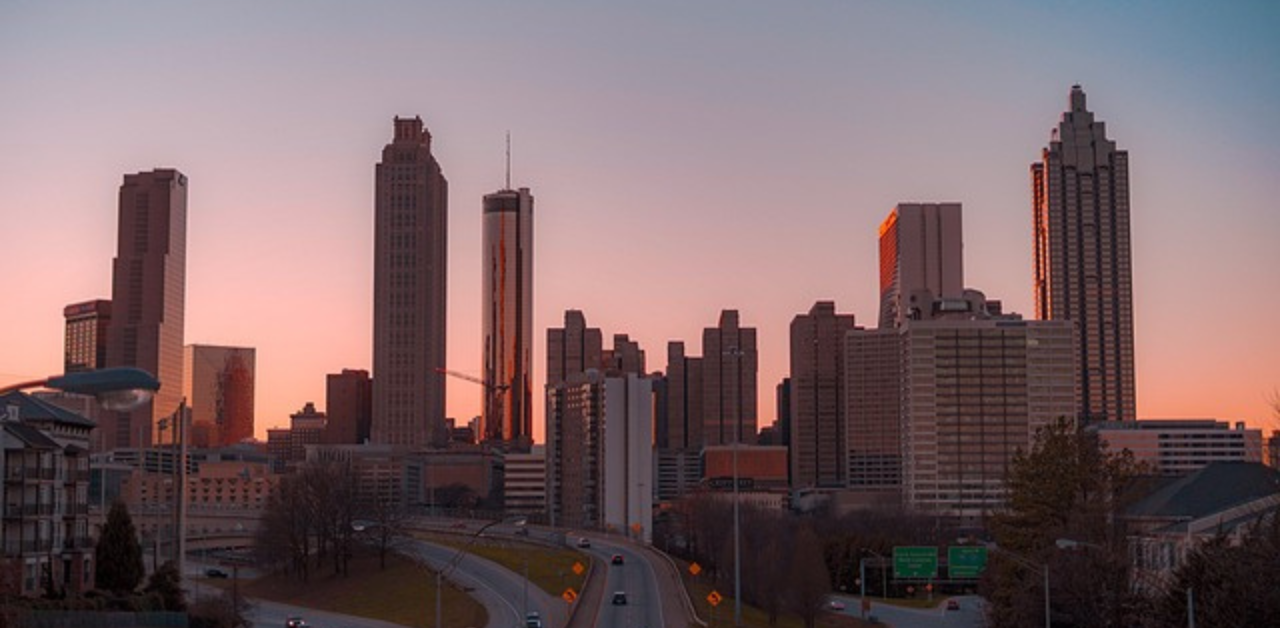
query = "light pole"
{"x": 1069, "y": 544}
{"x": 117, "y": 389}
{"x": 1032, "y": 565}
{"x": 737, "y": 531}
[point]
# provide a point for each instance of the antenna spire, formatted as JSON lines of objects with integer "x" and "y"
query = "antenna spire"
{"x": 508, "y": 160}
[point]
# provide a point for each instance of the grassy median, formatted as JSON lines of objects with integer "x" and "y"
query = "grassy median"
{"x": 550, "y": 569}
{"x": 404, "y": 593}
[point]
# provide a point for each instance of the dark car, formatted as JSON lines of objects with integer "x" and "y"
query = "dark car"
{"x": 619, "y": 598}
{"x": 214, "y": 572}
{"x": 953, "y": 605}
{"x": 295, "y": 622}
{"x": 617, "y": 559}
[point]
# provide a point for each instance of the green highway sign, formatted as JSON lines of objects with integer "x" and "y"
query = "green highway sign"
{"x": 915, "y": 562}
{"x": 966, "y": 561}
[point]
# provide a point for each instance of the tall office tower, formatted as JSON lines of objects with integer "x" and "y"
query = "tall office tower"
{"x": 148, "y": 283}
{"x": 920, "y": 249}
{"x": 818, "y": 437}
{"x": 1080, "y": 196}
{"x": 508, "y": 319}
{"x": 626, "y": 356}
{"x": 86, "y": 336}
{"x": 684, "y": 400}
{"x": 349, "y": 406}
{"x": 600, "y": 453}
{"x": 409, "y": 274}
{"x": 873, "y": 372}
{"x": 729, "y": 369}
{"x": 975, "y": 388}
{"x": 782, "y": 396}
{"x": 573, "y": 349}
{"x": 218, "y": 385}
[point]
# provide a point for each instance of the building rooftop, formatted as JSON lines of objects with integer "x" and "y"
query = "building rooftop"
{"x": 1215, "y": 488}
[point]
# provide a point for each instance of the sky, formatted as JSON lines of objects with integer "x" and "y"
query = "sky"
{"x": 686, "y": 157}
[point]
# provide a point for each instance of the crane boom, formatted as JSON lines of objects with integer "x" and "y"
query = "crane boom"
{"x": 472, "y": 379}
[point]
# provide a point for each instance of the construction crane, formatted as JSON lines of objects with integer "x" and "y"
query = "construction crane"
{"x": 474, "y": 380}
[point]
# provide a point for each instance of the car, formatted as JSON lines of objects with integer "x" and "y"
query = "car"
{"x": 835, "y": 605}
{"x": 584, "y": 542}
{"x": 533, "y": 623}
{"x": 617, "y": 559}
{"x": 522, "y": 532}
{"x": 295, "y": 622}
{"x": 953, "y": 605}
{"x": 532, "y": 615}
{"x": 619, "y": 598}
{"x": 214, "y": 572}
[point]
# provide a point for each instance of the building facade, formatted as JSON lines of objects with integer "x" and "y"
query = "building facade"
{"x": 148, "y": 284}
{"x": 573, "y": 349}
{"x": 684, "y": 422}
{"x": 729, "y": 374}
{"x": 920, "y": 249}
{"x": 873, "y": 407}
{"x": 524, "y": 490}
{"x": 508, "y": 318}
{"x": 817, "y": 418}
{"x": 626, "y": 356}
{"x": 409, "y": 290}
{"x": 218, "y": 383}
{"x": 1182, "y": 446}
{"x": 1082, "y": 267}
{"x": 348, "y": 406}
{"x": 86, "y": 335}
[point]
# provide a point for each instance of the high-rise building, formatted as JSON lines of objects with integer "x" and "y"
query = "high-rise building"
{"x": 148, "y": 284}
{"x": 920, "y": 249}
{"x": 409, "y": 291}
{"x": 729, "y": 370}
{"x": 508, "y": 318}
{"x": 873, "y": 370}
{"x": 626, "y": 356}
{"x": 349, "y": 406}
{"x": 86, "y": 336}
{"x": 684, "y": 400}
{"x": 573, "y": 349}
{"x": 1083, "y": 273}
{"x": 218, "y": 385}
{"x": 818, "y": 455}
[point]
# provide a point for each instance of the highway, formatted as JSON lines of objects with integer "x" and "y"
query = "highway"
{"x": 500, "y": 591}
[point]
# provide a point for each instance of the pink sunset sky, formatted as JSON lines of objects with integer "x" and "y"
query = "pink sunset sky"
{"x": 685, "y": 158}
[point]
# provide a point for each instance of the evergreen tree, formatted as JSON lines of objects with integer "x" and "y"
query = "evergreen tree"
{"x": 118, "y": 557}
{"x": 166, "y": 583}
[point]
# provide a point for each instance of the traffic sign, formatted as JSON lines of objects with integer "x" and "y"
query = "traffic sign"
{"x": 915, "y": 562}
{"x": 714, "y": 598}
{"x": 695, "y": 568}
{"x": 578, "y": 568}
{"x": 569, "y": 595}
{"x": 636, "y": 528}
{"x": 966, "y": 561}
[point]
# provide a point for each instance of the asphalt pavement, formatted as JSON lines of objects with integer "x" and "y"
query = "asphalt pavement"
{"x": 501, "y": 591}
{"x": 635, "y": 579}
{"x": 970, "y": 614}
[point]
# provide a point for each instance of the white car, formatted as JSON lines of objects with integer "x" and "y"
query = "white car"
{"x": 584, "y": 542}
{"x": 835, "y": 605}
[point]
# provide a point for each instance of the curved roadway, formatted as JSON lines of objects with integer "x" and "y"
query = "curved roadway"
{"x": 500, "y": 590}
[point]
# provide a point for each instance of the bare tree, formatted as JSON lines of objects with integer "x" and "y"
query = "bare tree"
{"x": 809, "y": 583}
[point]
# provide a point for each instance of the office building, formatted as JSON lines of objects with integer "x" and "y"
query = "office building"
{"x": 729, "y": 372}
{"x": 86, "y": 335}
{"x": 1182, "y": 446}
{"x": 508, "y": 319}
{"x": 524, "y": 483}
{"x": 218, "y": 385}
{"x": 1082, "y": 267}
{"x": 1273, "y": 449}
{"x": 920, "y": 249}
{"x": 148, "y": 283}
{"x": 348, "y": 406}
{"x": 684, "y": 422}
{"x": 573, "y": 349}
{"x": 409, "y": 291}
{"x": 626, "y": 356}
{"x": 287, "y": 448}
{"x": 817, "y": 418}
{"x": 873, "y": 370}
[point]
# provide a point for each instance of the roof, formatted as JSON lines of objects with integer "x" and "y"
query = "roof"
{"x": 1215, "y": 488}
{"x": 34, "y": 409}
{"x": 31, "y": 436}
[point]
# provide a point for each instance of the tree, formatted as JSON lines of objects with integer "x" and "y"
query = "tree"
{"x": 1067, "y": 487}
{"x": 1233, "y": 583}
{"x": 118, "y": 557}
{"x": 809, "y": 585}
{"x": 166, "y": 583}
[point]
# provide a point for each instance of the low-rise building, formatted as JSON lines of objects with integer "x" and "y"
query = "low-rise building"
{"x": 1182, "y": 446}
{"x": 524, "y": 480}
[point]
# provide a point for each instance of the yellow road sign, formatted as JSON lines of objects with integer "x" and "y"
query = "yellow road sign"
{"x": 695, "y": 568}
{"x": 569, "y": 595}
{"x": 636, "y": 528}
{"x": 714, "y": 598}
{"x": 578, "y": 568}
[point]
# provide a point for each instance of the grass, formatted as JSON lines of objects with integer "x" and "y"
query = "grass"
{"x": 699, "y": 587}
{"x": 403, "y": 593}
{"x": 550, "y": 569}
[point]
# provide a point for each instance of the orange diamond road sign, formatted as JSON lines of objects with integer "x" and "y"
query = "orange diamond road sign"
{"x": 578, "y": 568}
{"x": 635, "y": 527}
{"x": 695, "y": 568}
{"x": 714, "y": 598}
{"x": 569, "y": 595}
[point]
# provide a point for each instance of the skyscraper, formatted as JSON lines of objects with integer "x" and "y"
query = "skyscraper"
{"x": 920, "y": 249}
{"x": 626, "y": 356}
{"x": 148, "y": 284}
{"x": 409, "y": 273}
{"x": 218, "y": 386}
{"x": 86, "y": 336}
{"x": 508, "y": 318}
{"x": 349, "y": 405}
{"x": 729, "y": 371}
{"x": 1080, "y": 198}
{"x": 573, "y": 349}
{"x": 684, "y": 400}
{"x": 818, "y": 455}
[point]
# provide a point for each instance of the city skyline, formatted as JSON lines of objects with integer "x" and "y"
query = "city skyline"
{"x": 286, "y": 225}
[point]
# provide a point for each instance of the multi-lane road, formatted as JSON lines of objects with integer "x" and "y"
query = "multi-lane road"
{"x": 634, "y": 579}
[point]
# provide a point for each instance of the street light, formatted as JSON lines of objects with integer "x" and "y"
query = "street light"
{"x": 862, "y": 579}
{"x": 117, "y": 389}
{"x": 1033, "y": 565}
{"x": 1070, "y": 544}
